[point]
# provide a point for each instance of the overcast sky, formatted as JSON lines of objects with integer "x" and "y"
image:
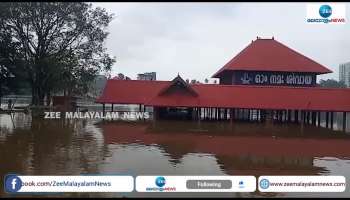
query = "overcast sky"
{"x": 197, "y": 39}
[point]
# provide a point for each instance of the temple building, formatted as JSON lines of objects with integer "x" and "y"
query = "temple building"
{"x": 266, "y": 81}
{"x": 269, "y": 62}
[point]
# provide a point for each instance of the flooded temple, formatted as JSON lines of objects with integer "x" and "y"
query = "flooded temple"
{"x": 266, "y": 82}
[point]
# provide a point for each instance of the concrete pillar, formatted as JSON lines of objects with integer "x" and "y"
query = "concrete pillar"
{"x": 302, "y": 120}
{"x": 289, "y": 115}
{"x": 332, "y": 115}
{"x": 327, "y": 119}
{"x": 103, "y": 109}
{"x": 279, "y": 116}
{"x": 217, "y": 113}
{"x": 302, "y": 116}
{"x": 285, "y": 115}
{"x": 206, "y": 110}
{"x": 318, "y": 118}
{"x": 199, "y": 117}
{"x": 194, "y": 113}
{"x": 296, "y": 116}
{"x": 263, "y": 115}
{"x": 212, "y": 113}
{"x": 344, "y": 121}
{"x": 199, "y": 113}
{"x": 139, "y": 109}
{"x": 313, "y": 118}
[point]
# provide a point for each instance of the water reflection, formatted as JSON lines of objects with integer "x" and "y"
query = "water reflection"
{"x": 71, "y": 147}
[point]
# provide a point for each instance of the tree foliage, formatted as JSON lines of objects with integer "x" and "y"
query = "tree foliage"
{"x": 60, "y": 46}
{"x": 10, "y": 67}
{"x": 331, "y": 83}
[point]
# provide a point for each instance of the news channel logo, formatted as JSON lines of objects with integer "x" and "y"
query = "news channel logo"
{"x": 325, "y": 11}
{"x": 331, "y": 13}
{"x": 241, "y": 184}
{"x": 12, "y": 183}
{"x": 160, "y": 181}
{"x": 264, "y": 183}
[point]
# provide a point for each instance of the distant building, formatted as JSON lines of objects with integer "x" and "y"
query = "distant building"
{"x": 344, "y": 73}
{"x": 148, "y": 76}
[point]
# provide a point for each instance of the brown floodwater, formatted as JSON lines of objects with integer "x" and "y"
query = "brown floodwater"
{"x": 72, "y": 147}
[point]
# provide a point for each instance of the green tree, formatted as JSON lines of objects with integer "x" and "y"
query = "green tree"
{"x": 60, "y": 45}
{"x": 11, "y": 71}
{"x": 331, "y": 83}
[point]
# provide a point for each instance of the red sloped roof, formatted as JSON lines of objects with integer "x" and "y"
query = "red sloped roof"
{"x": 175, "y": 99}
{"x": 273, "y": 97}
{"x": 229, "y": 96}
{"x": 130, "y": 91}
{"x": 271, "y": 55}
{"x": 184, "y": 94}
